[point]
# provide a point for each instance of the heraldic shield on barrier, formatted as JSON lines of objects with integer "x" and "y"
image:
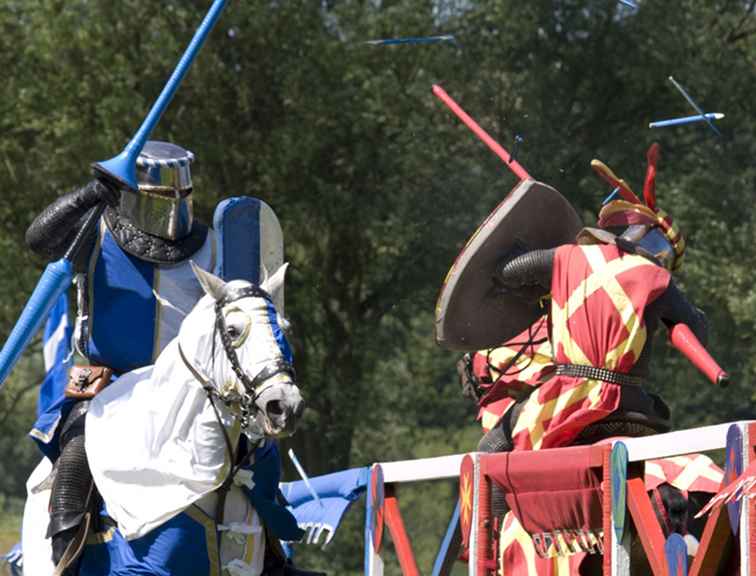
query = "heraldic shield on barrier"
{"x": 532, "y": 216}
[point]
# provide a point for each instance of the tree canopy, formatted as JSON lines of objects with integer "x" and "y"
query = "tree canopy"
{"x": 378, "y": 186}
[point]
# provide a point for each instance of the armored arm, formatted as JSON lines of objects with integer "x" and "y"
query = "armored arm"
{"x": 688, "y": 333}
{"x": 527, "y": 275}
{"x": 54, "y": 228}
{"x": 674, "y": 308}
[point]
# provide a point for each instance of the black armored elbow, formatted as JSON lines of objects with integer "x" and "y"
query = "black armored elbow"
{"x": 528, "y": 272}
{"x": 54, "y": 228}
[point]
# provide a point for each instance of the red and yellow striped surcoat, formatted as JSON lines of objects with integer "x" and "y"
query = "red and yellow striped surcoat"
{"x": 598, "y": 298}
{"x": 509, "y": 369}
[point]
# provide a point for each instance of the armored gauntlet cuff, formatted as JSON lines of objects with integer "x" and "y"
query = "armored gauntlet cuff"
{"x": 54, "y": 228}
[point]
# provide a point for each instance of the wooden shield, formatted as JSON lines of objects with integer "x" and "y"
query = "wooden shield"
{"x": 676, "y": 552}
{"x": 466, "y": 479}
{"x": 250, "y": 242}
{"x": 733, "y": 469}
{"x": 619, "y": 459}
{"x": 470, "y": 313}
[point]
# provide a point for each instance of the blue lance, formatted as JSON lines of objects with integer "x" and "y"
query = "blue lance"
{"x": 119, "y": 170}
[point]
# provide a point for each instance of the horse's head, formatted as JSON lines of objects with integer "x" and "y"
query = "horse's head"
{"x": 238, "y": 341}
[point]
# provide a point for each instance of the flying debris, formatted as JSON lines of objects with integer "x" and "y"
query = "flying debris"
{"x": 492, "y": 144}
{"x": 517, "y": 141}
{"x": 303, "y": 475}
{"x": 686, "y": 120}
{"x": 695, "y": 106}
{"x": 413, "y": 40}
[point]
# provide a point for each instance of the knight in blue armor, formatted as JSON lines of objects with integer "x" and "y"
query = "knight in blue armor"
{"x": 137, "y": 262}
{"x": 134, "y": 285}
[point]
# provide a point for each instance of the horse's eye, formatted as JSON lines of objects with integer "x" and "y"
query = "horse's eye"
{"x": 237, "y": 327}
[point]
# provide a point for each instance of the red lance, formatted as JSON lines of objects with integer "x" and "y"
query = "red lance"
{"x": 506, "y": 157}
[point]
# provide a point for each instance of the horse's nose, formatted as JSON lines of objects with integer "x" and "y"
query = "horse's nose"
{"x": 297, "y": 406}
{"x": 284, "y": 407}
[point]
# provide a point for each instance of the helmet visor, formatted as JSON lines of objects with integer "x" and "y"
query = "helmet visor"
{"x": 656, "y": 244}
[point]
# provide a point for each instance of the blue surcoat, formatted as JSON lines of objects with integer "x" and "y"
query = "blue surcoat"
{"x": 128, "y": 325}
{"x": 135, "y": 310}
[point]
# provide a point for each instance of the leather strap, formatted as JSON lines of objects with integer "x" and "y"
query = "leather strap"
{"x": 153, "y": 248}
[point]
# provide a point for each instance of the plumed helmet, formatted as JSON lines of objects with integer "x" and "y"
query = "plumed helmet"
{"x": 162, "y": 206}
{"x": 648, "y": 227}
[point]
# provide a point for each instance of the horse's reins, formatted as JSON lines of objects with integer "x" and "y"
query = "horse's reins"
{"x": 251, "y": 386}
{"x": 271, "y": 369}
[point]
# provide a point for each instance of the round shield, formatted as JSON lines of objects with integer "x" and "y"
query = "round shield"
{"x": 471, "y": 314}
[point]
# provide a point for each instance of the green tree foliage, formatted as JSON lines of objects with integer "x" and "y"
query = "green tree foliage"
{"x": 378, "y": 186}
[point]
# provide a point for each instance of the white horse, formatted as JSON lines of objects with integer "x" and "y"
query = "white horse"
{"x": 163, "y": 443}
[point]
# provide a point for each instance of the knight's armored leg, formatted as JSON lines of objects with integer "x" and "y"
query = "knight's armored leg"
{"x": 276, "y": 563}
{"x": 71, "y": 492}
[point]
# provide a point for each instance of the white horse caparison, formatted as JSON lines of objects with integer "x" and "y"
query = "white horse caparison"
{"x": 158, "y": 441}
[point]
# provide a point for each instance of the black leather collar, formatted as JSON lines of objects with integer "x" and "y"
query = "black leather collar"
{"x": 153, "y": 248}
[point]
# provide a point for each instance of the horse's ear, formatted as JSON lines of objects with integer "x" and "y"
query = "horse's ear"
{"x": 210, "y": 283}
{"x": 274, "y": 284}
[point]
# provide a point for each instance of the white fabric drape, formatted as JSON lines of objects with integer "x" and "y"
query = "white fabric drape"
{"x": 154, "y": 444}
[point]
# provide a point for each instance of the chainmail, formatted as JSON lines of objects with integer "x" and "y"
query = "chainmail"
{"x": 70, "y": 493}
{"x": 153, "y": 248}
{"x": 610, "y": 428}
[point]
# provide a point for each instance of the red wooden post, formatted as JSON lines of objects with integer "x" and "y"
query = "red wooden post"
{"x": 649, "y": 531}
{"x": 402, "y": 545}
{"x": 716, "y": 544}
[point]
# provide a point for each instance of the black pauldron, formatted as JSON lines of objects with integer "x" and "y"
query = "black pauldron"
{"x": 153, "y": 248}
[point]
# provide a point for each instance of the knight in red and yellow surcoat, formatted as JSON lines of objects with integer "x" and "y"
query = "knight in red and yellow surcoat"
{"x": 608, "y": 292}
{"x": 579, "y": 373}
{"x": 600, "y": 296}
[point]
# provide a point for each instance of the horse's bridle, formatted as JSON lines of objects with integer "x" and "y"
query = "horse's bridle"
{"x": 251, "y": 392}
{"x": 252, "y": 386}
